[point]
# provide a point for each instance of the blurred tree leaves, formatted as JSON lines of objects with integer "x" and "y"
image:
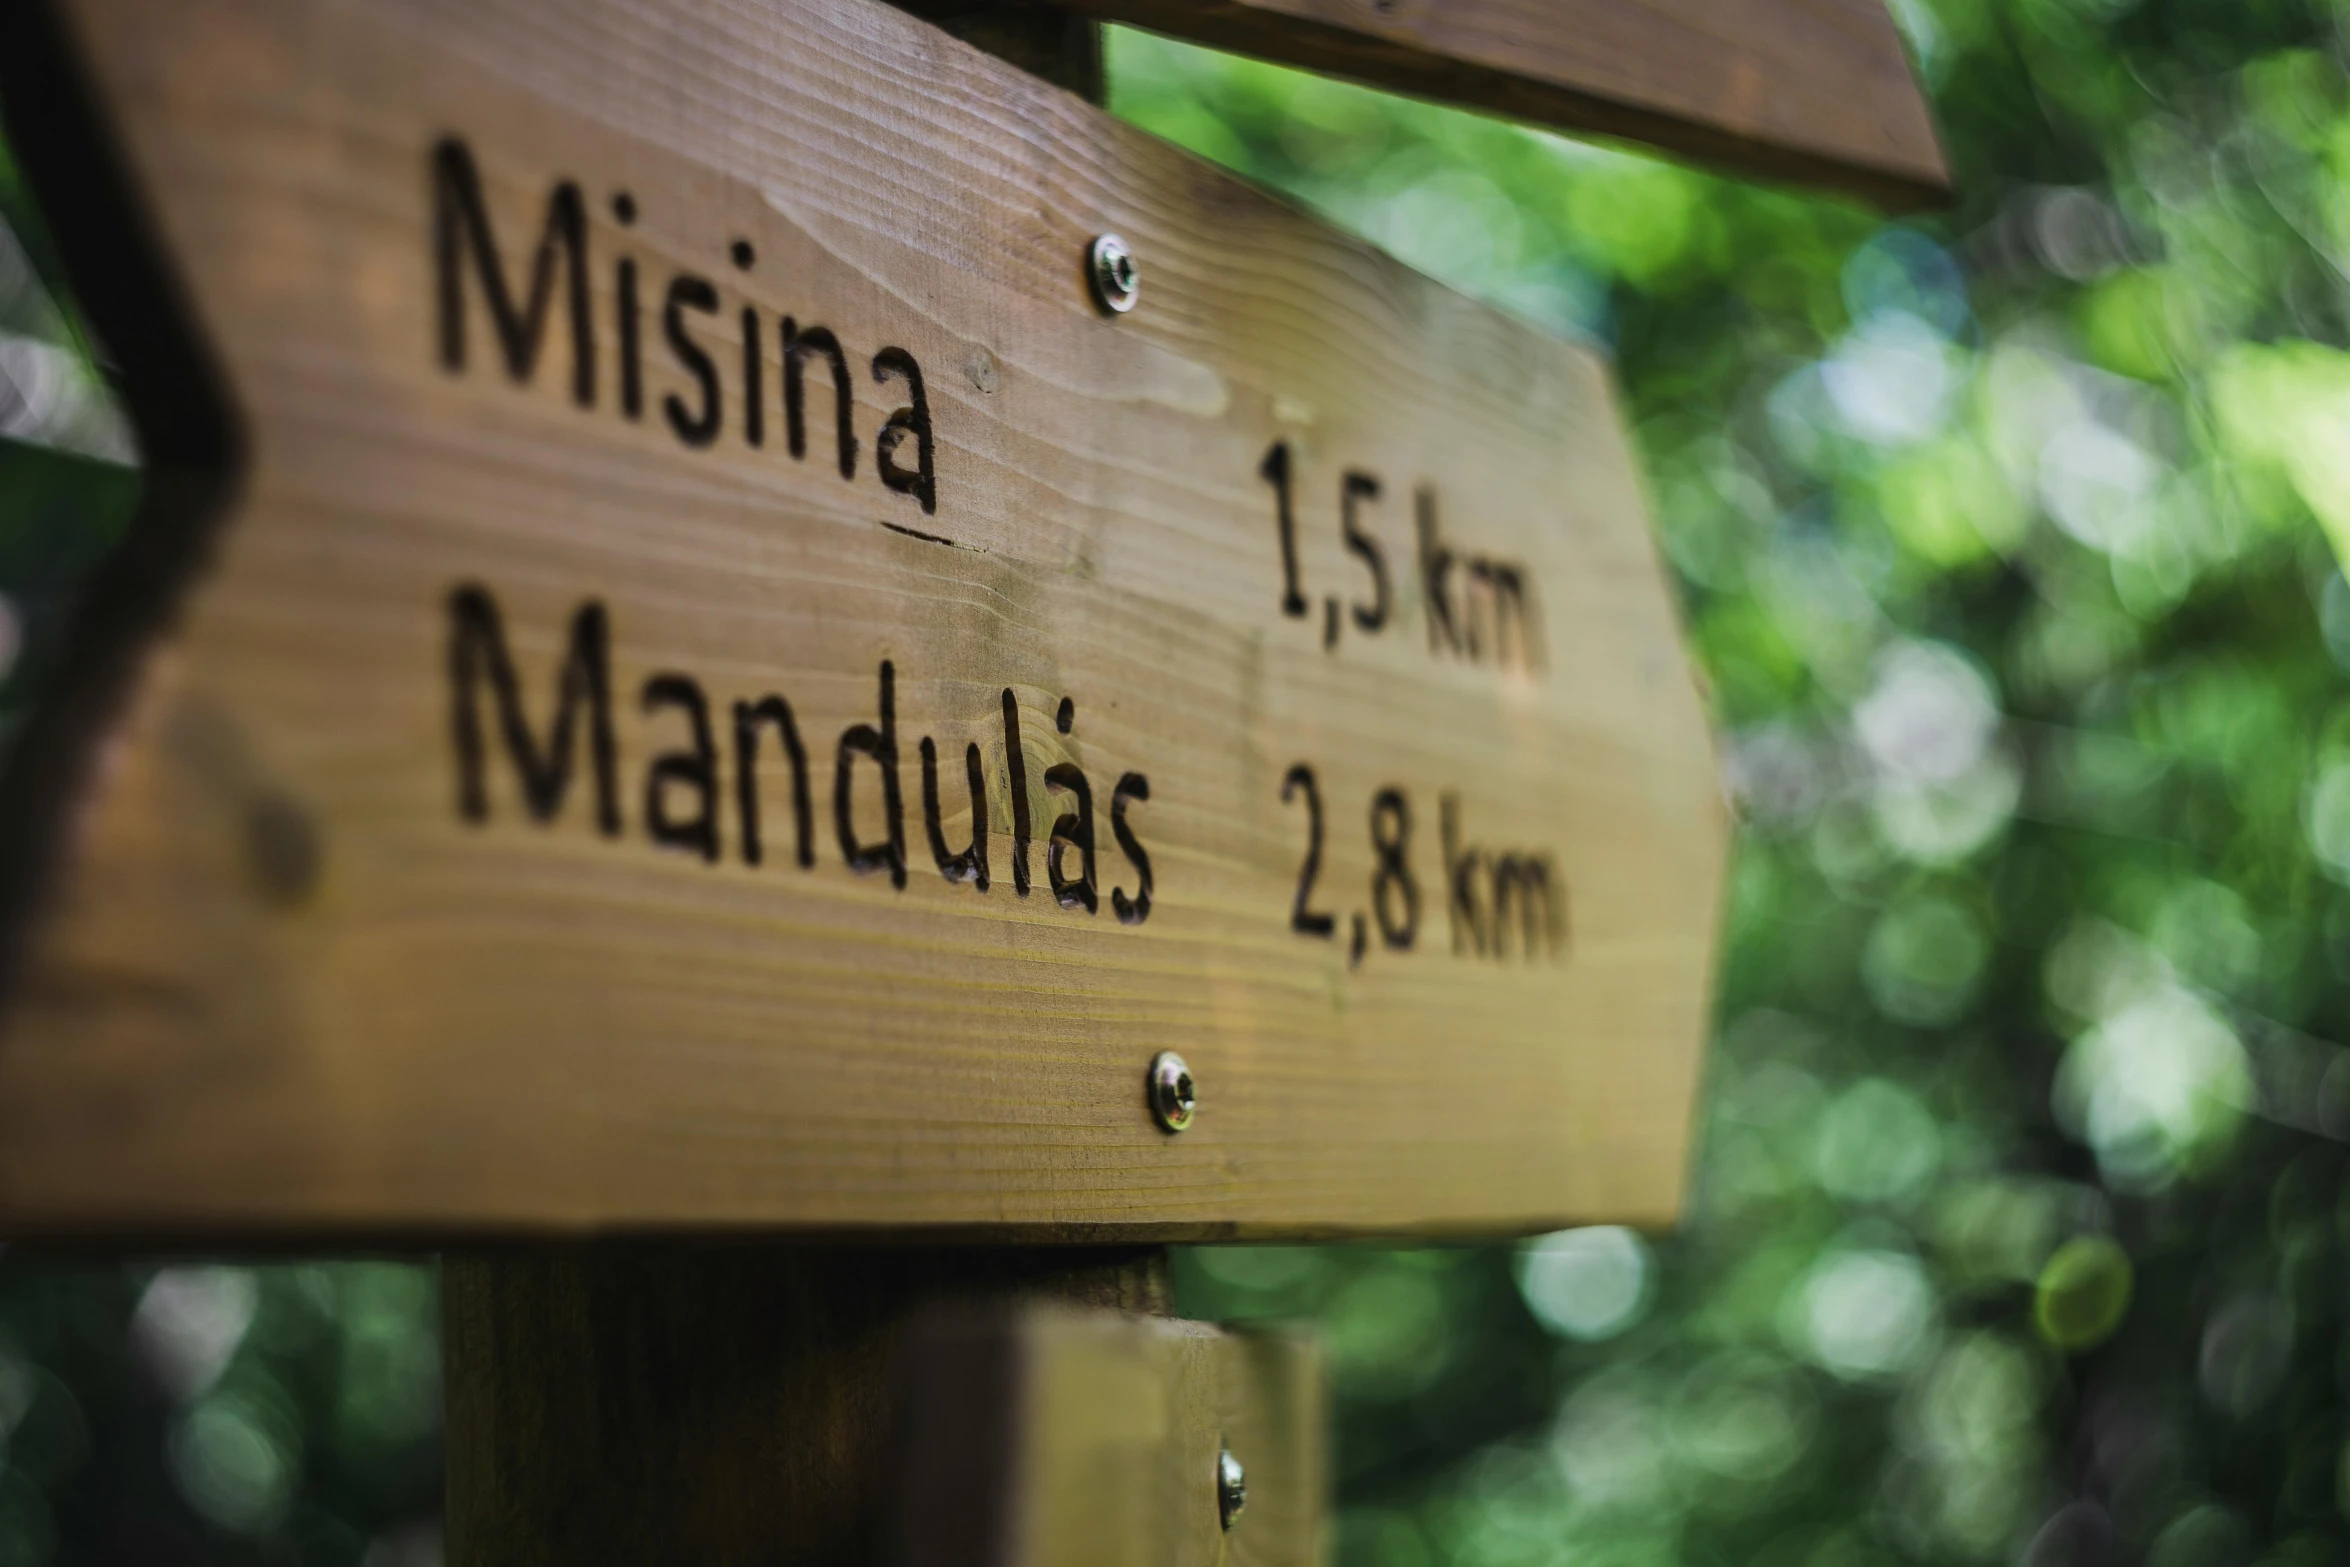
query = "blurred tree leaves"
{"x": 2002, "y": 539}
{"x": 219, "y": 1413}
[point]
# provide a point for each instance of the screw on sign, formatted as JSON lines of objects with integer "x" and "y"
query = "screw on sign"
{"x": 1117, "y": 279}
{"x": 700, "y": 620}
{"x": 1173, "y": 1094}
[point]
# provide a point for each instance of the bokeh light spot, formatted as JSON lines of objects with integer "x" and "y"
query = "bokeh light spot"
{"x": 1863, "y": 1313}
{"x": 1585, "y": 1284}
{"x": 1878, "y": 1142}
{"x": 1923, "y": 959}
{"x": 2083, "y": 1293}
{"x": 231, "y": 1464}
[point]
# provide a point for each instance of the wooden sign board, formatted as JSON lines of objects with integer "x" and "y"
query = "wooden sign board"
{"x": 719, "y": 688}
{"x": 1816, "y": 91}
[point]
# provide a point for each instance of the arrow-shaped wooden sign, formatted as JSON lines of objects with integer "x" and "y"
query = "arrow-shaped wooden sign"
{"x": 685, "y": 665}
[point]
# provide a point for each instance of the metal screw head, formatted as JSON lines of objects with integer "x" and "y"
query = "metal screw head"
{"x": 1231, "y": 1487}
{"x": 1117, "y": 281}
{"x": 1172, "y": 1093}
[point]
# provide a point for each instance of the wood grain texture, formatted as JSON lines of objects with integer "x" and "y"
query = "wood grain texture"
{"x": 1815, "y": 91}
{"x": 625, "y": 1404}
{"x": 279, "y": 978}
{"x": 1053, "y": 1437}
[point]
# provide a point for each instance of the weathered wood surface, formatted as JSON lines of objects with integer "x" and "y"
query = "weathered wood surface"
{"x": 1052, "y": 1437}
{"x": 611, "y": 1406}
{"x": 1816, "y": 91}
{"x": 303, "y": 956}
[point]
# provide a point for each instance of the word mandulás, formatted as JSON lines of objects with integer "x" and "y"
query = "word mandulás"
{"x": 683, "y": 808}
{"x": 522, "y": 321}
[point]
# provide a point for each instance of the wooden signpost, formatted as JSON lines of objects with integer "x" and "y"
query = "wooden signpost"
{"x": 748, "y": 620}
{"x": 725, "y": 688}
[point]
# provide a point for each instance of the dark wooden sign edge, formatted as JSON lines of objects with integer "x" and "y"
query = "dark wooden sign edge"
{"x": 191, "y": 439}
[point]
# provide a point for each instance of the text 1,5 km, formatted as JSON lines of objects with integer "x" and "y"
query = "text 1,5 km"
{"x": 1479, "y": 608}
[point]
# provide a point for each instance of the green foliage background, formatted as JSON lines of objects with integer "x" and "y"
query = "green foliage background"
{"x": 2018, "y": 1230}
{"x": 2018, "y": 1227}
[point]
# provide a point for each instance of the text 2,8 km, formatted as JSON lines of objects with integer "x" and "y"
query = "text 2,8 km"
{"x": 1493, "y": 901}
{"x": 1479, "y": 608}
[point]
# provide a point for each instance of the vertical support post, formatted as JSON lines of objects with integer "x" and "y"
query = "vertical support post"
{"x": 611, "y": 1405}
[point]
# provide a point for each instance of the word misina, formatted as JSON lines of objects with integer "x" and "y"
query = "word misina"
{"x": 465, "y": 246}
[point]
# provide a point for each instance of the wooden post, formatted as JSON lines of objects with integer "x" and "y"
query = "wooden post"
{"x": 639, "y": 1403}
{"x": 1049, "y": 1437}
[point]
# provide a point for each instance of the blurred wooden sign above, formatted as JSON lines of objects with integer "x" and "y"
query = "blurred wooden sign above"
{"x": 1815, "y": 91}
{"x": 681, "y": 667}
